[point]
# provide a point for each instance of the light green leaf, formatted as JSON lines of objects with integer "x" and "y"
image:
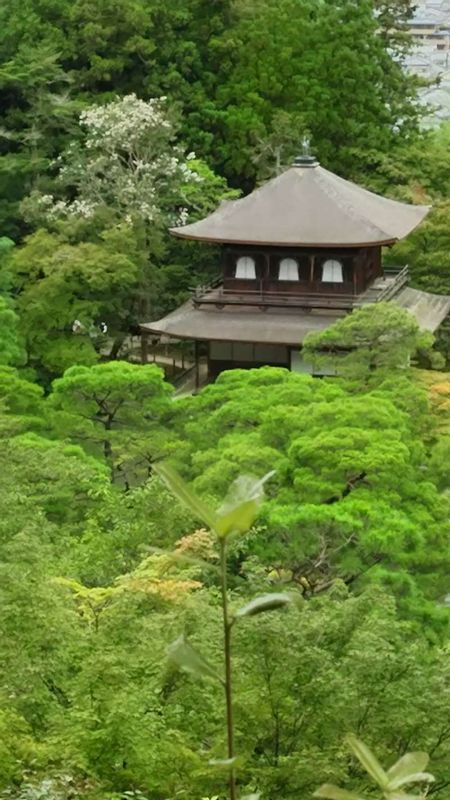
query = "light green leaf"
{"x": 184, "y": 494}
{"x": 414, "y": 777}
{"x": 368, "y": 760}
{"x": 254, "y": 796}
{"x": 240, "y": 507}
{"x": 222, "y": 762}
{"x": 266, "y": 602}
{"x": 406, "y": 765}
{"x": 186, "y": 657}
{"x": 403, "y": 796}
{"x": 330, "y": 792}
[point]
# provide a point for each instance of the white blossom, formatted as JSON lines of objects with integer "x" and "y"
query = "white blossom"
{"x": 183, "y": 216}
{"x": 127, "y": 162}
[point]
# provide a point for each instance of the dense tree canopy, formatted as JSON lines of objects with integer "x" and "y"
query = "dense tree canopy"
{"x": 206, "y": 57}
{"x": 119, "y": 120}
{"x": 103, "y": 570}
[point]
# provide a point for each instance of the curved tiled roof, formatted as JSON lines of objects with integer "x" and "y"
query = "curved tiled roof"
{"x": 307, "y": 206}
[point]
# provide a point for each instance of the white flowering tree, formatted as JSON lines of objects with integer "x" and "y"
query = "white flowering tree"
{"x": 126, "y": 180}
{"x": 127, "y": 162}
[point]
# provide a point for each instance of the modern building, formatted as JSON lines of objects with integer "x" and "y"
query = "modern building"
{"x": 430, "y": 57}
{"x": 297, "y": 253}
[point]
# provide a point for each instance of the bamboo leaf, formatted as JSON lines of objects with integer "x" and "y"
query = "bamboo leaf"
{"x": 266, "y": 602}
{"x": 181, "y": 653}
{"x": 240, "y": 507}
{"x": 183, "y": 492}
{"x": 368, "y": 760}
{"x": 330, "y": 792}
{"x": 408, "y": 764}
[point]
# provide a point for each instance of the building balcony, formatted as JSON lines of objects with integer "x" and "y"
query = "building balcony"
{"x": 302, "y": 295}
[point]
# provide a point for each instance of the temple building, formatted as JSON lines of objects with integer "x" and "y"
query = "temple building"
{"x": 296, "y": 253}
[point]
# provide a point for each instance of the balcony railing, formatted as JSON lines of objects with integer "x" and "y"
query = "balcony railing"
{"x": 383, "y": 288}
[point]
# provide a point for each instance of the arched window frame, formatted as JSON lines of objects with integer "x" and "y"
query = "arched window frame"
{"x": 245, "y": 268}
{"x": 332, "y": 271}
{"x": 288, "y": 269}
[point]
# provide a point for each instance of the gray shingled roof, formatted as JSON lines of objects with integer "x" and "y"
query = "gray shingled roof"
{"x": 310, "y": 206}
{"x": 243, "y": 324}
{"x": 279, "y": 326}
{"x": 430, "y": 310}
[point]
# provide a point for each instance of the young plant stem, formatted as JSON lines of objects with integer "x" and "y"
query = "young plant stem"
{"x": 227, "y": 625}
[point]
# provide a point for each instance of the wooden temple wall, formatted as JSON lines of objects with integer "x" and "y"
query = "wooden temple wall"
{"x": 360, "y": 267}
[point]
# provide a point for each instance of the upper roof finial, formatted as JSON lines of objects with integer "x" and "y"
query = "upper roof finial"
{"x": 306, "y": 159}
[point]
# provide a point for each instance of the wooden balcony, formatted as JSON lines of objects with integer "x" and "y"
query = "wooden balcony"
{"x": 305, "y": 296}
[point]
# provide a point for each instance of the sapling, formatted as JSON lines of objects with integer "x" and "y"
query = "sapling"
{"x": 235, "y": 516}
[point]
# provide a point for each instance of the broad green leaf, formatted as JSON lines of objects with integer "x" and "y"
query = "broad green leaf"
{"x": 240, "y": 507}
{"x": 414, "y": 777}
{"x": 407, "y": 764}
{"x": 186, "y": 657}
{"x": 267, "y": 602}
{"x": 184, "y": 494}
{"x": 254, "y": 796}
{"x": 368, "y": 760}
{"x": 330, "y": 792}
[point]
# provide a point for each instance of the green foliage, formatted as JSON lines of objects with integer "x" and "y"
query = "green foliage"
{"x": 11, "y": 351}
{"x": 115, "y": 409}
{"x": 368, "y": 343}
{"x": 207, "y": 58}
{"x": 98, "y": 577}
{"x": 419, "y": 173}
{"x": 426, "y": 251}
{"x": 91, "y": 603}
{"x": 101, "y": 253}
{"x": 20, "y": 402}
{"x": 333, "y": 510}
{"x": 350, "y": 108}
{"x": 62, "y": 281}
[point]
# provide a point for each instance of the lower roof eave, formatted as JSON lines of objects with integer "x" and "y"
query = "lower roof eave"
{"x": 240, "y": 325}
{"x": 281, "y": 327}
{"x": 175, "y": 337}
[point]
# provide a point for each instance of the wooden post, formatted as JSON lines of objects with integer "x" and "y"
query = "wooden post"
{"x": 144, "y": 347}
{"x": 265, "y": 282}
{"x": 197, "y": 365}
{"x": 355, "y": 267}
{"x": 312, "y": 260}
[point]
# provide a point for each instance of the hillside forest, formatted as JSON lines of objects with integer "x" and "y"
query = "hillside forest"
{"x": 130, "y": 522}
